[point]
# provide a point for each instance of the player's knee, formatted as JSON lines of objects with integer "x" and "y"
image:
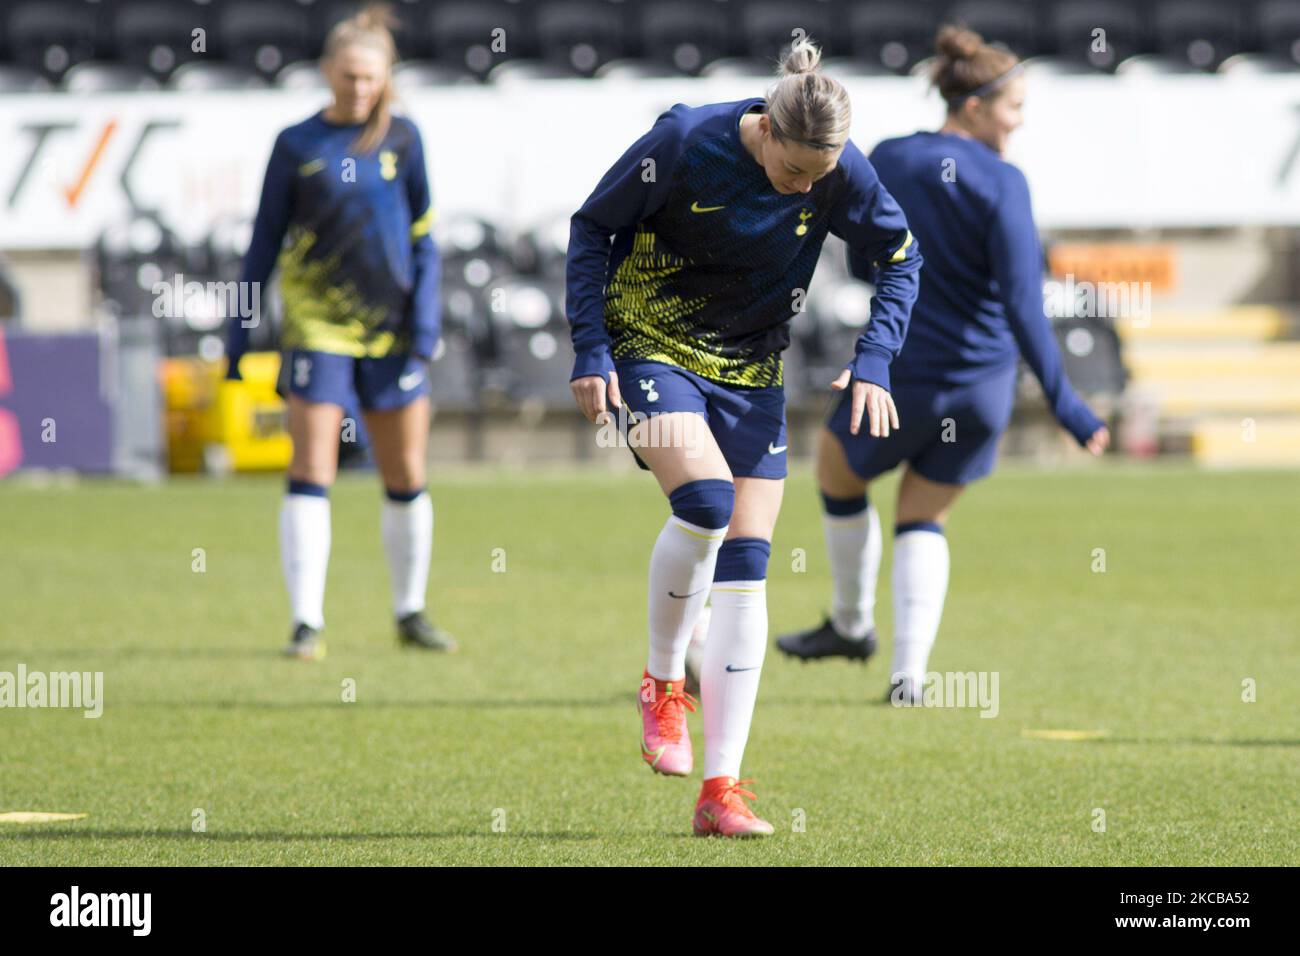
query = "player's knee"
{"x": 403, "y": 495}
{"x": 707, "y": 503}
{"x": 313, "y": 489}
{"x": 743, "y": 559}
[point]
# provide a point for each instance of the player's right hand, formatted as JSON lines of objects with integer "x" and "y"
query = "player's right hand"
{"x": 870, "y": 398}
{"x": 1099, "y": 440}
{"x": 591, "y": 393}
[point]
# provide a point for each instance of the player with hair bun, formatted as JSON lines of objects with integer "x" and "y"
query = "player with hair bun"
{"x": 980, "y": 308}
{"x": 359, "y": 275}
{"x": 685, "y": 268}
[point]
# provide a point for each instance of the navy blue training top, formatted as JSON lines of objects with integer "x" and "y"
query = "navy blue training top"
{"x": 708, "y": 262}
{"x": 350, "y": 234}
{"x": 981, "y": 298}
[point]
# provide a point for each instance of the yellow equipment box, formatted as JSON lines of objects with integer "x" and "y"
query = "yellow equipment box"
{"x": 219, "y": 426}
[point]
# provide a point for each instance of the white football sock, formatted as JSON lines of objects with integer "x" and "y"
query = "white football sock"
{"x": 854, "y": 545}
{"x": 305, "y": 555}
{"x": 733, "y": 662}
{"x": 407, "y": 530}
{"x": 920, "y": 582}
{"x": 681, "y": 564}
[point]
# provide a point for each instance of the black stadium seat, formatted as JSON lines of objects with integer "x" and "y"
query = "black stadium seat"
{"x": 1202, "y": 33}
{"x": 158, "y": 36}
{"x": 93, "y": 76}
{"x": 208, "y": 77}
{"x": 685, "y": 35}
{"x": 1278, "y": 28}
{"x": 52, "y": 36}
{"x": 895, "y": 34}
{"x": 1072, "y": 26}
{"x": 264, "y": 36}
{"x": 581, "y": 34}
{"x": 478, "y": 35}
{"x": 1012, "y": 23}
{"x": 769, "y": 26}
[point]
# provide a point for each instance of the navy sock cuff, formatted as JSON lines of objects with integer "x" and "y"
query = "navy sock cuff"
{"x": 844, "y": 507}
{"x": 297, "y": 487}
{"x": 917, "y": 526}
{"x": 403, "y": 497}
{"x": 742, "y": 559}
{"x": 706, "y": 503}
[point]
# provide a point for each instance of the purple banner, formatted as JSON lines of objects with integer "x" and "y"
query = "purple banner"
{"x": 52, "y": 410}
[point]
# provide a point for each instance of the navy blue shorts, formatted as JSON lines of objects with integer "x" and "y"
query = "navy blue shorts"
{"x": 747, "y": 423}
{"x": 377, "y": 384}
{"x": 948, "y": 434}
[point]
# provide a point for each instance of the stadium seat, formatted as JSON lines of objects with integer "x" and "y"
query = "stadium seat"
{"x": 158, "y": 36}
{"x": 133, "y": 255}
{"x": 265, "y": 36}
{"x": 581, "y": 34}
{"x": 1244, "y": 65}
{"x": 769, "y": 26}
{"x": 20, "y": 79}
{"x": 50, "y": 37}
{"x": 686, "y": 36}
{"x": 532, "y": 339}
{"x": 421, "y": 74}
{"x": 95, "y": 77}
{"x": 303, "y": 75}
{"x": 1090, "y": 351}
{"x": 211, "y": 77}
{"x": 527, "y": 71}
{"x": 1153, "y": 64}
{"x": 1011, "y": 23}
{"x": 1277, "y": 27}
{"x": 1201, "y": 32}
{"x": 478, "y": 35}
{"x": 1071, "y": 32}
{"x": 637, "y": 70}
{"x": 893, "y": 33}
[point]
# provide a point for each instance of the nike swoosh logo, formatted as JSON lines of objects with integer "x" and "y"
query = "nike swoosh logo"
{"x": 683, "y": 596}
{"x": 315, "y": 166}
{"x": 408, "y": 382}
{"x": 737, "y": 670}
{"x": 696, "y": 207}
{"x": 773, "y": 450}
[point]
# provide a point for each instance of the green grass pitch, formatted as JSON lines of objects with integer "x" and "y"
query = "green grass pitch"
{"x": 523, "y": 748}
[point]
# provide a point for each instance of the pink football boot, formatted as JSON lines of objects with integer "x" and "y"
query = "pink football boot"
{"x": 722, "y": 810}
{"x": 665, "y": 741}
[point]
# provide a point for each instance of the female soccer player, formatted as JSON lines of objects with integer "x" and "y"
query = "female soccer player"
{"x": 717, "y": 216}
{"x": 980, "y": 306}
{"x": 359, "y": 279}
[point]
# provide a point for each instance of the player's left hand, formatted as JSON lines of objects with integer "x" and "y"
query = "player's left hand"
{"x": 871, "y": 398}
{"x": 1099, "y": 441}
